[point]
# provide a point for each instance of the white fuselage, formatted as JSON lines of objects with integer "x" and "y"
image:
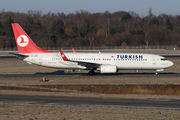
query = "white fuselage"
{"x": 121, "y": 60}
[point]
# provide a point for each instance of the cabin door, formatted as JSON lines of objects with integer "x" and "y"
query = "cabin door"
{"x": 154, "y": 60}
{"x": 40, "y": 60}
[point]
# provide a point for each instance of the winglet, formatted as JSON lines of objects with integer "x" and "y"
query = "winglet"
{"x": 63, "y": 55}
{"x": 74, "y": 51}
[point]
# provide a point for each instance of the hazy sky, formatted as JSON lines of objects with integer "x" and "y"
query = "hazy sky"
{"x": 141, "y": 7}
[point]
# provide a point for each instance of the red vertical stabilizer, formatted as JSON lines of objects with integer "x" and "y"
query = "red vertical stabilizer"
{"x": 24, "y": 42}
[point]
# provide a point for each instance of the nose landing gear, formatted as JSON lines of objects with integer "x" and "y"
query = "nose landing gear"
{"x": 159, "y": 70}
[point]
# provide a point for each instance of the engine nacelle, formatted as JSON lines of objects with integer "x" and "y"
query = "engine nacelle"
{"x": 108, "y": 68}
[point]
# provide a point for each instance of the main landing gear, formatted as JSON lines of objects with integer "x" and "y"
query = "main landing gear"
{"x": 91, "y": 72}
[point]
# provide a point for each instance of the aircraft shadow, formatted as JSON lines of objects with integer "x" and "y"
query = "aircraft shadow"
{"x": 98, "y": 73}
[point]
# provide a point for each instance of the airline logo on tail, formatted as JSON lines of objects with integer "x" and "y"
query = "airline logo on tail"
{"x": 22, "y": 40}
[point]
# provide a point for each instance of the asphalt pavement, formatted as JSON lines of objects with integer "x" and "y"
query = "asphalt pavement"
{"x": 131, "y": 103}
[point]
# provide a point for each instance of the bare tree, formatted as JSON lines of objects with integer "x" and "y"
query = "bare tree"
{"x": 150, "y": 14}
{"x": 106, "y": 24}
{"x": 91, "y": 37}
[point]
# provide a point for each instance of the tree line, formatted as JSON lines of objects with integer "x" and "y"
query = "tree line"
{"x": 91, "y": 29}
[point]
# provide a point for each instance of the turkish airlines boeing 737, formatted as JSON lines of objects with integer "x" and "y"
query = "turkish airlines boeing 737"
{"x": 103, "y": 62}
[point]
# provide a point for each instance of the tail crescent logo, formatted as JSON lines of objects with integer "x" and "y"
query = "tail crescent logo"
{"x": 22, "y": 40}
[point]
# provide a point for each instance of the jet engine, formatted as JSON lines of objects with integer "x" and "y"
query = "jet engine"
{"x": 108, "y": 69}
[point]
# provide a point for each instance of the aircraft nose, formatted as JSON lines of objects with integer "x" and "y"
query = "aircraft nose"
{"x": 170, "y": 63}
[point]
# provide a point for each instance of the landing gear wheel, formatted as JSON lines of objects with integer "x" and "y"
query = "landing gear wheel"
{"x": 91, "y": 72}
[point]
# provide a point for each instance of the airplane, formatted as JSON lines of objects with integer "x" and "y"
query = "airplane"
{"x": 103, "y": 62}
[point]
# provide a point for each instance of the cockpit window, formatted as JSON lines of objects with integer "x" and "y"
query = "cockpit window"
{"x": 163, "y": 59}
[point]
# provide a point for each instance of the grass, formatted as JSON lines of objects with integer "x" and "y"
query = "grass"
{"x": 165, "y": 89}
{"x": 169, "y": 89}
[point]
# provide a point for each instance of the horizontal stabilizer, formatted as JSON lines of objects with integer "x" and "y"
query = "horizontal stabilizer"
{"x": 18, "y": 54}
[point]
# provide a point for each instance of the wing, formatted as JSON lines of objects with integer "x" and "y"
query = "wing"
{"x": 86, "y": 64}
